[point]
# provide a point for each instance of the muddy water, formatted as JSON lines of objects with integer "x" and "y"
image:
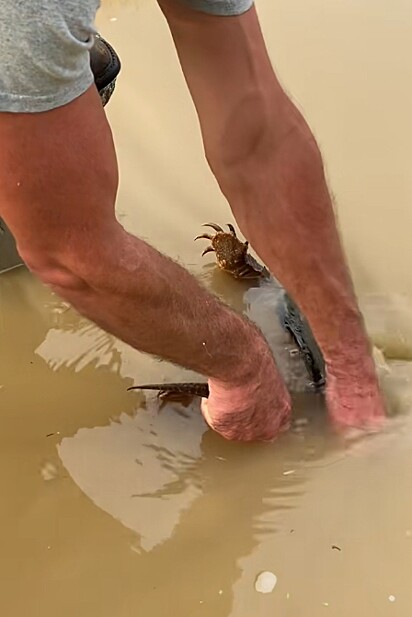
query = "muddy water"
{"x": 110, "y": 508}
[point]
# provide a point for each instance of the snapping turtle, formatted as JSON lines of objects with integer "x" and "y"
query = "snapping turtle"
{"x": 232, "y": 256}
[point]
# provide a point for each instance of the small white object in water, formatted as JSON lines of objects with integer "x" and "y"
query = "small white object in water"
{"x": 220, "y": 592}
{"x": 113, "y": 19}
{"x": 290, "y": 472}
{"x": 391, "y": 598}
{"x": 326, "y": 604}
{"x": 299, "y": 422}
{"x": 266, "y": 582}
{"x": 49, "y": 472}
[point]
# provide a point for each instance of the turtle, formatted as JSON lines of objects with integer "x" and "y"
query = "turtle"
{"x": 233, "y": 257}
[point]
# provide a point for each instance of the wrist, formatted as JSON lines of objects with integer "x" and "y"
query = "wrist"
{"x": 252, "y": 356}
{"x": 350, "y": 345}
{"x": 255, "y": 369}
{"x": 260, "y": 405}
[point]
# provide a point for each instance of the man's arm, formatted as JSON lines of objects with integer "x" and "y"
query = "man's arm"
{"x": 58, "y": 183}
{"x": 58, "y": 188}
{"x": 269, "y": 167}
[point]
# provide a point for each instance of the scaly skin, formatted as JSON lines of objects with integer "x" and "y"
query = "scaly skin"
{"x": 180, "y": 389}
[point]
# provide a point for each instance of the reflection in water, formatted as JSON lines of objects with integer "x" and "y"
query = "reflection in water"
{"x": 147, "y": 463}
{"x": 164, "y": 476}
{"x": 87, "y": 345}
{"x": 140, "y": 509}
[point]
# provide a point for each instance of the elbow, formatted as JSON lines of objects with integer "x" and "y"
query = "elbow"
{"x": 73, "y": 267}
{"x": 56, "y": 270}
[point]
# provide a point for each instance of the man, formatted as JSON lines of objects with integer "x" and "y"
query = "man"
{"x": 58, "y": 183}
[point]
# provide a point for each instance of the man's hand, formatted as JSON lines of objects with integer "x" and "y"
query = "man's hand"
{"x": 353, "y": 397}
{"x": 259, "y": 409}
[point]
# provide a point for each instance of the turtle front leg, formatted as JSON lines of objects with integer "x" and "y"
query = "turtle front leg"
{"x": 231, "y": 254}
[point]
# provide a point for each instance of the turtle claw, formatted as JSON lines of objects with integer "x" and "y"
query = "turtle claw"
{"x": 214, "y": 226}
{"x": 209, "y": 249}
{"x": 232, "y": 229}
{"x": 206, "y": 236}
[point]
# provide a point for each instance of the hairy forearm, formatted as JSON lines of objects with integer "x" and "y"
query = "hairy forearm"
{"x": 156, "y": 306}
{"x": 58, "y": 185}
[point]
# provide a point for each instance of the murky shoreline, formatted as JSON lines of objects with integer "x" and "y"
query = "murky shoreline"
{"x": 111, "y": 507}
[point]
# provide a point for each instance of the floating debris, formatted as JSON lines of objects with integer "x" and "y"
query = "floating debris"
{"x": 48, "y": 472}
{"x": 391, "y": 598}
{"x": 300, "y": 422}
{"x": 336, "y": 548}
{"x": 266, "y": 582}
{"x": 289, "y": 472}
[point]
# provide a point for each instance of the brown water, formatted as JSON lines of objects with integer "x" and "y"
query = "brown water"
{"x": 112, "y": 509}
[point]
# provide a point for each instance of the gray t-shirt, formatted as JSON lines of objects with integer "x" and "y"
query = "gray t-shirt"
{"x": 44, "y": 45}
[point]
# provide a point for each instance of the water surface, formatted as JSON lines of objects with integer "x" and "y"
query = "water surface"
{"x": 111, "y": 507}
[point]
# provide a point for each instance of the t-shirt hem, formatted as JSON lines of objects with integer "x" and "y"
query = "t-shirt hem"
{"x": 217, "y": 7}
{"x": 23, "y": 103}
